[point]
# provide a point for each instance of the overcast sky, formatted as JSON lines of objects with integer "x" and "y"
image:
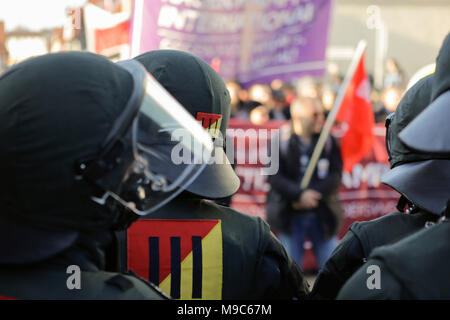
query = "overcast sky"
{"x": 35, "y": 14}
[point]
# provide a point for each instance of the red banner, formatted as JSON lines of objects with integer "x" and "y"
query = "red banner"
{"x": 362, "y": 195}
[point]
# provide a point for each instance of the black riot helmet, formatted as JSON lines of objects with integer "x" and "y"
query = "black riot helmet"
{"x": 203, "y": 93}
{"x": 78, "y": 139}
{"x": 414, "y": 101}
{"x": 430, "y": 132}
{"x": 421, "y": 177}
{"x": 442, "y": 78}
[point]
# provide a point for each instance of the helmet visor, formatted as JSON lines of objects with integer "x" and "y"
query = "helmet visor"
{"x": 169, "y": 149}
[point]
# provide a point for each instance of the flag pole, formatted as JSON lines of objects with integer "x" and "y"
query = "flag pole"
{"x": 138, "y": 13}
{"x": 332, "y": 115}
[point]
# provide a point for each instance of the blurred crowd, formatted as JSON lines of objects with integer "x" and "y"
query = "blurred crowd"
{"x": 263, "y": 102}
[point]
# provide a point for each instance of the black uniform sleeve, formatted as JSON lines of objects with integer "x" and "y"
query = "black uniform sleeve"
{"x": 277, "y": 276}
{"x": 346, "y": 258}
{"x": 362, "y": 287}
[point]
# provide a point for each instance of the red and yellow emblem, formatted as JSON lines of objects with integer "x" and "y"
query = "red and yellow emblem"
{"x": 182, "y": 257}
{"x": 211, "y": 122}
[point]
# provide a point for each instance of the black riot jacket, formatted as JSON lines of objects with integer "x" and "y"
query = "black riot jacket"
{"x": 356, "y": 246}
{"x": 197, "y": 249}
{"x": 414, "y": 268}
{"x": 55, "y": 278}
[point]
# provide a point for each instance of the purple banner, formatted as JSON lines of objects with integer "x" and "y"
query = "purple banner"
{"x": 251, "y": 40}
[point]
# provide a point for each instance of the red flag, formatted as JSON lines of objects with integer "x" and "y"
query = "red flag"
{"x": 215, "y": 64}
{"x": 106, "y": 33}
{"x": 111, "y": 37}
{"x": 356, "y": 115}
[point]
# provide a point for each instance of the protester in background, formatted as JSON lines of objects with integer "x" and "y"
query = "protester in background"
{"x": 394, "y": 76}
{"x": 259, "y": 115}
{"x": 289, "y": 92}
{"x": 379, "y": 110}
{"x": 243, "y": 95}
{"x": 260, "y": 93}
{"x": 276, "y": 84}
{"x": 390, "y": 98}
{"x": 307, "y": 87}
{"x": 306, "y": 213}
{"x": 236, "y": 104}
{"x": 279, "y": 111}
{"x": 246, "y": 109}
{"x": 327, "y": 97}
{"x": 335, "y": 78}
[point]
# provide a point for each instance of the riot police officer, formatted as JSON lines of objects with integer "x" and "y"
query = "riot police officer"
{"x": 417, "y": 266}
{"x": 77, "y": 136}
{"x": 363, "y": 237}
{"x": 193, "y": 248}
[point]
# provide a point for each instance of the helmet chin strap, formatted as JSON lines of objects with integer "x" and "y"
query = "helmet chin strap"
{"x": 447, "y": 210}
{"x": 403, "y": 202}
{"x": 446, "y": 214}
